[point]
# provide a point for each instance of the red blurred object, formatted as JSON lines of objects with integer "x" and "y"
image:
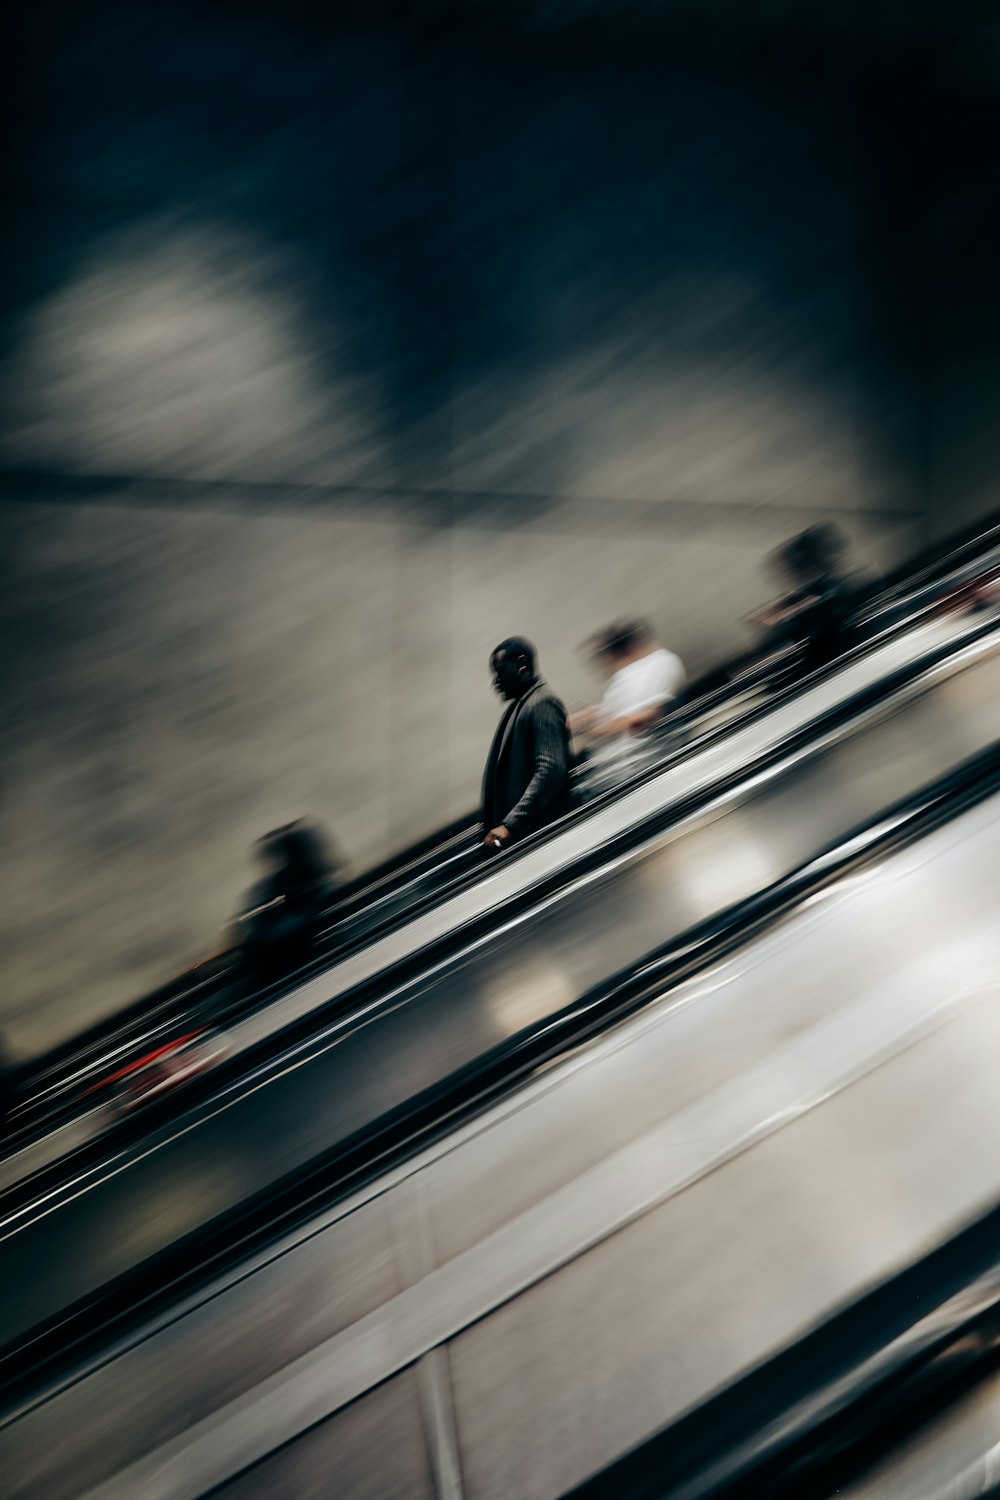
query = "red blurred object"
{"x": 977, "y": 593}
{"x": 146, "y": 1078}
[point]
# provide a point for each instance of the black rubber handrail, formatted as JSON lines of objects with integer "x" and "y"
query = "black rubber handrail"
{"x": 51, "y": 1349}
{"x": 60, "y": 1074}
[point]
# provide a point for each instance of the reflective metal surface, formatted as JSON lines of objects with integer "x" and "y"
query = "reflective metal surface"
{"x": 955, "y": 1457}
{"x": 584, "y": 1250}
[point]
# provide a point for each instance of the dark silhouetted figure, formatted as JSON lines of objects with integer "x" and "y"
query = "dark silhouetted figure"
{"x": 285, "y": 910}
{"x": 527, "y": 782}
{"x": 815, "y": 615}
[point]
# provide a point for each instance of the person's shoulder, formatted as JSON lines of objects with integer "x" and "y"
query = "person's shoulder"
{"x": 544, "y": 698}
{"x": 663, "y": 663}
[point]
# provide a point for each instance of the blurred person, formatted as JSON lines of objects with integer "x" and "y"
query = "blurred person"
{"x": 284, "y": 911}
{"x": 527, "y": 783}
{"x": 644, "y": 680}
{"x": 815, "y": 613}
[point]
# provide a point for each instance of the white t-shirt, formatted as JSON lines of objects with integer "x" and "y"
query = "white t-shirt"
{"x": 646, "y": 683}
{"x": 643, "y": 684}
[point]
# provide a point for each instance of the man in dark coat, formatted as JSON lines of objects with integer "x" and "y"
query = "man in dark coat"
{"x": 285, "y": 911}
{"x": 816, "y": 615}
{"x": 527, "y": 783}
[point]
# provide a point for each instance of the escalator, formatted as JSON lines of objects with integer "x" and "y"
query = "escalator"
{"x": 897, "y": 627}
{"x": 481, "y": 1306}
{"x": 510, "y": 953}
{"x": 115, "y": 1201}
{"x": 335, "y": 1068}
{"x": 408, "y": 915}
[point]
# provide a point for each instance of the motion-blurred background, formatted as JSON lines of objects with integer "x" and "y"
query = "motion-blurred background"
{"x": 337, "y": 346}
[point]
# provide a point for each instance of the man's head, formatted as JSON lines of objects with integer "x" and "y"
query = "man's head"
{"x": 513, "y": 666}
{"x": 620, "y": 643}
{"x": 813, "y": 555}
{"x": 298, "y": 849}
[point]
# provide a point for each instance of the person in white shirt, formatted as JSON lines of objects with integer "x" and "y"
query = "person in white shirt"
{"x": 644, "y": 680}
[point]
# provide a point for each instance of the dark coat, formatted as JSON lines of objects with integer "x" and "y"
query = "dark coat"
{"x": 822, "y": 628}
{"x": 527, "y": 782}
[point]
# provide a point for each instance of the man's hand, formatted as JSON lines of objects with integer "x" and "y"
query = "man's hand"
{"x": 582, "y": 721}
{"x": 785, "y": 609}
{"x": 647, "y": 719}
{"x": 497, "y": 839}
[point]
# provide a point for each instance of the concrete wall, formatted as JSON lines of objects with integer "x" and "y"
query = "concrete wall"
{"x": 333, "y": 355}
